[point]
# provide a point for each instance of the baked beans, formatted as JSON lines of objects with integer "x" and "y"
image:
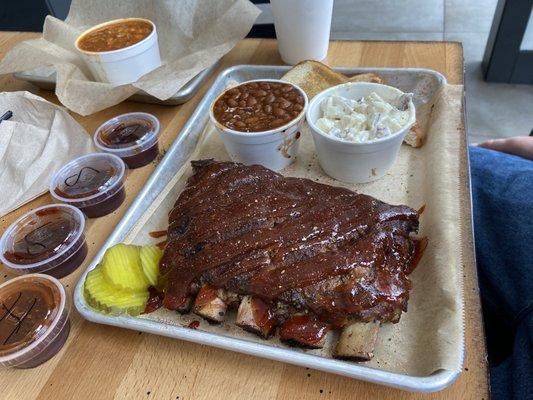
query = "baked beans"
{"x": 258, "y": 106}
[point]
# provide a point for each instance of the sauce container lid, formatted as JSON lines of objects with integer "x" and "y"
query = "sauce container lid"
{"x": 38, "y": 300}
{"x": 127, "y": 134}
{"x": 88, "y": 180}
{"x": 42, "y": 239}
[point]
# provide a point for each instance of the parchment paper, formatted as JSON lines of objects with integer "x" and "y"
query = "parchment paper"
{"x": 193, "y": 34}
{"x": 39, "y": 139}
{"x": 429, "y": 336}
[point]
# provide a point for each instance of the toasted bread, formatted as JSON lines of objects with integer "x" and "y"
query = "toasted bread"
{"x": 314, "y": 77}
{"x": 366, "y": 77}
{"x": 415, "y": 137}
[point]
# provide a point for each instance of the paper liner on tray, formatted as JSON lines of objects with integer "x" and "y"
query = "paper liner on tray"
{"x": 429, "y": 337}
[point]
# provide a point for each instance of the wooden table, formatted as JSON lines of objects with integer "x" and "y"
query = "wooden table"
{"x": 101, "y": 362}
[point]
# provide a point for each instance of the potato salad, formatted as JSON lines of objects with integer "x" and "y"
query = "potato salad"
{"x": 363, "y": 120}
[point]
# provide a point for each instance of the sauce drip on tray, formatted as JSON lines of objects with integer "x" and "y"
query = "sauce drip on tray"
{"x": 194, "y": 324}
{"x": 158, "y": 234}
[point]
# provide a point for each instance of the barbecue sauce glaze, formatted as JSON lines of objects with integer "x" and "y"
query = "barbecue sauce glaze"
{"x": 155, "y": 300}
{"x": 304, "y": 329}
{"x": 315, "y": 247}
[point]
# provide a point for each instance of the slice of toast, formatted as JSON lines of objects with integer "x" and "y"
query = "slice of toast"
{"x": 415, "y": 137}
{"x": 314, "y": 77}
{"x": 366, "y": 77}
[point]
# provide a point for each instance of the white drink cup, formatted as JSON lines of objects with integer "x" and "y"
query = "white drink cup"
{"x": 302, "y": 28}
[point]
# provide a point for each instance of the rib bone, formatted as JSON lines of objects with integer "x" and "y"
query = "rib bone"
{"x": 255, "y": 316}
{"x": 357, "y": 341}
{"x": 209, "y": 304}
{"x": 186, "y": 307}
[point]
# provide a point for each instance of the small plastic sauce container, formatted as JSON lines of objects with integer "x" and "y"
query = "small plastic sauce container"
{"x": 133, "y": 137}
{"x": 94, "y": 183}
{"x": 49, "y": 239}
{"x": 34, "y": 320}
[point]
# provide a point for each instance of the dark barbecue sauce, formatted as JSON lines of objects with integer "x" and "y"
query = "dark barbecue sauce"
{"x": 25, "y": 315}
{"x": 34, "y": 322}
{"x": 419, "y": 248}
{"x": 132, "y": 137}
{"x": 194, "y": 324}
{"x": 126, "y": 133}
{"x": 44, "y": 240}
{"x": 263, "y": 316}
{"x": 85, "y": 182}
{"x": 93, "y": 183}
{"x": 155, "y": 300}
{"x": 157, "y": 234}
{"x": 304, "y": 330}
{"x": 142, "y": 157}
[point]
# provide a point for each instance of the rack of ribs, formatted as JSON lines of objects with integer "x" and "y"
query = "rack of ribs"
{"x": 290, "y": 254}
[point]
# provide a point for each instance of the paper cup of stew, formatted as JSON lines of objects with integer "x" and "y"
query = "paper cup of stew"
{"x": 260, "y": 122}
{"x": 120, "y": 51}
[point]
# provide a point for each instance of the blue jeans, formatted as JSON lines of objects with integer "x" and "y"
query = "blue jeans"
{"x": 502, "y": 190}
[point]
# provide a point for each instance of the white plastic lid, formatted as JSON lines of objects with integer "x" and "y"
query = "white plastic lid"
{"x": 31, "y": 223}
{"x": 101, "y": 175}
{"x": 53, "y": 323}
{"x": 147, "y": 140}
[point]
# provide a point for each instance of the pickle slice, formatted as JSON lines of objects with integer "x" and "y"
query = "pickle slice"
{"x": 103, "y": 296}
{"x": 122, "y": 268}
{"x": 150, "y": 256}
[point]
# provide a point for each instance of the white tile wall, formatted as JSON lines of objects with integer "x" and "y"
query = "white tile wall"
{"x": 388, "y": 15}
{"x": 468, "y": 15}
{"x": 350, "y": 35}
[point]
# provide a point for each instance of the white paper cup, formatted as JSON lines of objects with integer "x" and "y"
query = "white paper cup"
{"x": 357, "y": 162}
{"x": 274, "y": 149}
{"x": 302, "y": 28}
{"x": 124, "y": 65}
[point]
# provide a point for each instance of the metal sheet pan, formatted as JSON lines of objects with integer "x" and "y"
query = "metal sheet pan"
{"x": 423, "y": 82}
{"x": 45, "y": 78}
